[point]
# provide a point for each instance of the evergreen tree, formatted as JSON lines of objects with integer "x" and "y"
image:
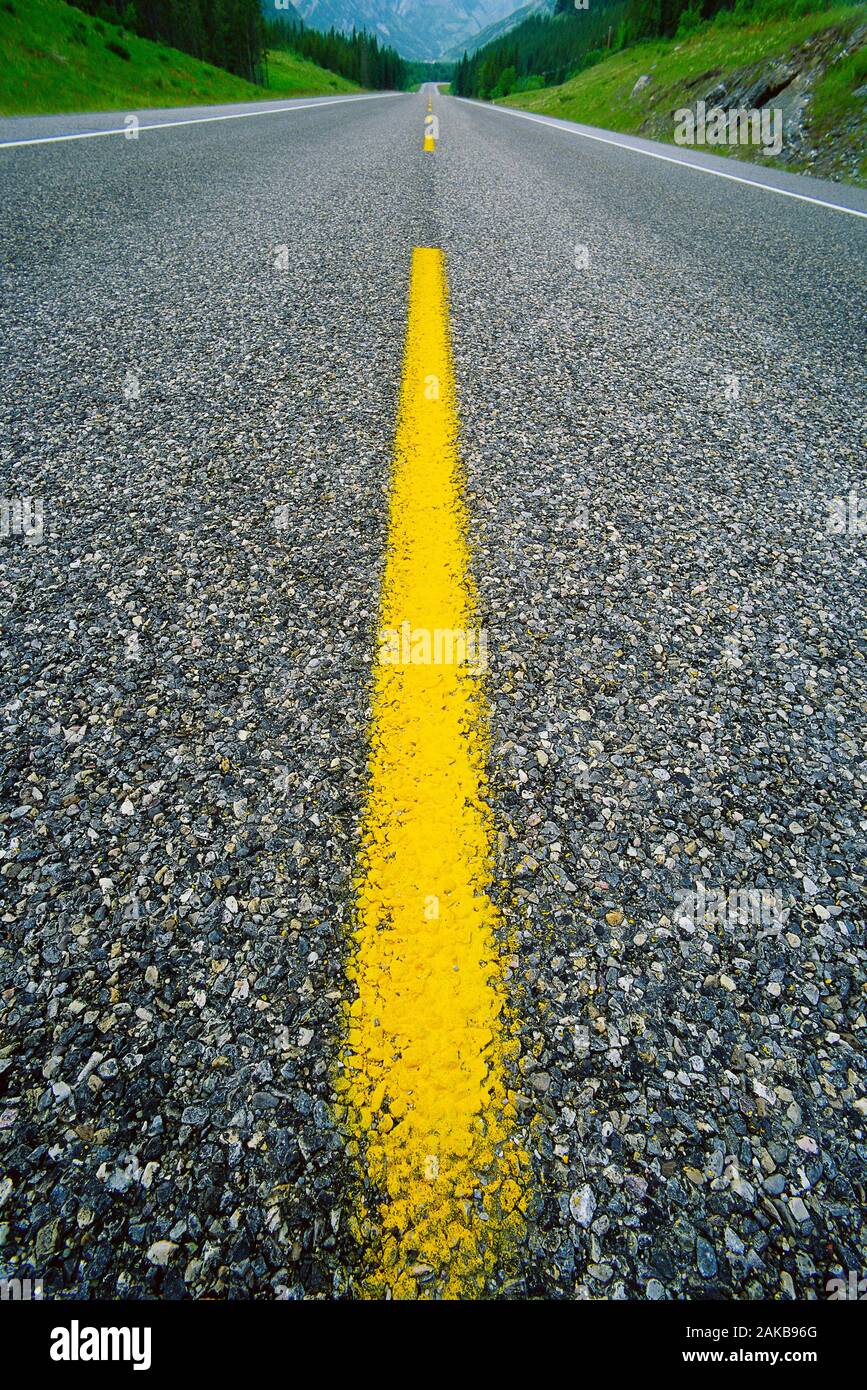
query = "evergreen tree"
{"x": 233, "y": 35}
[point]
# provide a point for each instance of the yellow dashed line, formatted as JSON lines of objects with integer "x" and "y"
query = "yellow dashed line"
{"x": 423, "y": 1080}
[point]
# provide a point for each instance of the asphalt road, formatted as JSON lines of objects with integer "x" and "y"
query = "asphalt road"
{"x": 661, "y": 388}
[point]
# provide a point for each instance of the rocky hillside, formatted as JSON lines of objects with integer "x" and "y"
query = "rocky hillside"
{"x": 813, "y": 68}
{"x": 823, "y": 136}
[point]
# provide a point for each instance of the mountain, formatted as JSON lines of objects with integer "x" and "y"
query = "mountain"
{"x": 498, "y": 29}
{"x": 280, "y": 9}
{"x": 421, "y": 29}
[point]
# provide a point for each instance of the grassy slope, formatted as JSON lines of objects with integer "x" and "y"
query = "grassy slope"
{"x": 601, "y": 96}
{"x": 54, "y": 58}
{"x": 291, "y": 76}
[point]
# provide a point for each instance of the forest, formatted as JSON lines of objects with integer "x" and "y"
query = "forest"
{"x": 358, "y": 56}
{"x": 228, "y": 33}
{"x": 546, "y": 50}
{"x": 233, "y": 34}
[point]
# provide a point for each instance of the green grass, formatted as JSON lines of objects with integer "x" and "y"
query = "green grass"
{"x": 55, "y": 58}
{"x": 832, "y": 101}
{"x": 291, "y": 76}
{"x": 602, "y": 95}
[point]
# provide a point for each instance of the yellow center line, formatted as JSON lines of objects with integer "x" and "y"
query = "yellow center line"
{"x": 423, "y": 1080}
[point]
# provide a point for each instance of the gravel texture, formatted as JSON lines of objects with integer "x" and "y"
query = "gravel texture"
{"x": 679, "y": 692}
{"x": 677, "y": 683}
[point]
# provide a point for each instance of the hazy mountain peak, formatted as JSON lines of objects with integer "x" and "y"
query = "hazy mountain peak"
{"x": 416, "y": 28}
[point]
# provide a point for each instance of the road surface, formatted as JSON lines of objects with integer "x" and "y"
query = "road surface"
{"x": 652, "y": 379}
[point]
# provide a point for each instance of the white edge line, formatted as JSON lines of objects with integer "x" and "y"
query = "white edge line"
{"x": 553, "y": 124}
{"x": 199, "y": 120}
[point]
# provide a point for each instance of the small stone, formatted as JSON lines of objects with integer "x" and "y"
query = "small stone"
{"x": 195, "y": 1116}
{"x": 798, "y": 1209}
{"x": 264, "y": 1100}
{"x": 161, "y": 1252}
{"x": 614, "y": 918}
{"x": 654, "y": 1290}
{"x": 734, "y": 1244}
{"x": 46, "y": 1239}
{"x": 705, "y": 1257}
{"x": 582, "y": 1205}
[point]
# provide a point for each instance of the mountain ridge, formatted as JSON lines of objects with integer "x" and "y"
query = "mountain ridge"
{"x": 498, "y": 29}
{"x": 418, "y": 29}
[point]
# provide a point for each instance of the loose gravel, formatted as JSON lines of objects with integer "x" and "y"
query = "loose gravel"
{"x": 657, "y": 424}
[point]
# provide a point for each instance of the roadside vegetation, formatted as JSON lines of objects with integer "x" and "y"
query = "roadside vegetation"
{"x": 358, "y": 56}
{"x": 637, "y": 89}
{"x": 542, "y": 51}
{"x": 229, "y": 34}
{"x": 549, "y": 50}
{"x": 418, "y": 73}
{"x": 58, "y": 57}
{"x": 54, "y": 58}
{"x": 288, "y": 75}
